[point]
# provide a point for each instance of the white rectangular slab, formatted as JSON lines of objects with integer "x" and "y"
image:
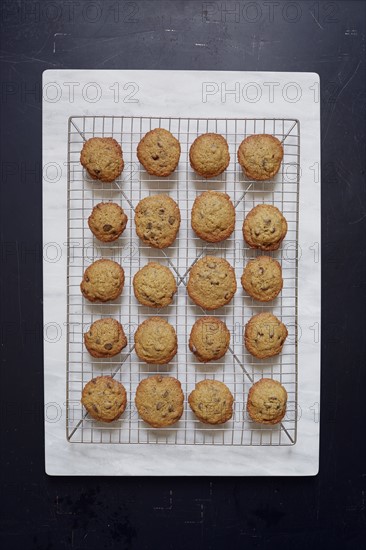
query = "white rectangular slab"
{"x": 193, "y": 94}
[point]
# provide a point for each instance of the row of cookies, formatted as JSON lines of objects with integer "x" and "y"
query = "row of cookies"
{"x": 156, "y": 340}
{"x": 157, "y": 220}
{"x": 211, "y": 282}
{"x": 159, "y": 400}
{"x": 259, "y": 155}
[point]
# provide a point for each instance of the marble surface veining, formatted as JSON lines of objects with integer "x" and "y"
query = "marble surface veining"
{"x": 196, "y": 94}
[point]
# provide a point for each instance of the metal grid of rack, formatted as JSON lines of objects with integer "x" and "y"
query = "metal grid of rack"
{"x": 238, "y": 369}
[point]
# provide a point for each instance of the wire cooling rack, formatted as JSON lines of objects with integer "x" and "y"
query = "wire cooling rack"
{"x": 238, "y": 369}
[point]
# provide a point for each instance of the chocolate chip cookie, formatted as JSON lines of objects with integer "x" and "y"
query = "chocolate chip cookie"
{"x": 157, "y": 220}
{"x": 156, "y": 341}
{"x": 209, "y": 155}
{"x": 264, "y": 227}
{"x": 103, "y": 281}
{"x": 159, "y": 152}
{"x": 104, "y": 398}
{"x": 212, "y": 402}
{"x": 154, "y": 285}
{"x": 159, "y": 400}
{"x": 260, "y": 156}
{"x": 262, "y": 278}
{"x": 102, "y": 158}
{"x": 211, "y": 282}
{"x": 107, "y": 221}
{"x": 267, "y": 401}
{"x": 209, "y": 339}
{"x": 264, "y": 335}
{"x": 213, "y": 216}
{"x": 105, "y": 338}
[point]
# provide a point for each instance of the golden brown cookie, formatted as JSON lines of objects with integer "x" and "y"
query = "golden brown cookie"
{"x": 211, "y": 282}
{"x": 212, "y": 402}
{"x": 213, "y": 216}
{"x": 260, "y": 156}
{"x": 102, "y": 158}
{"x": 264, "y": 227}
{"x": 104, "y": 398}
{"x": 105, "y": 338}
{"x": 262, "y": 278}
{"x": 157, "y": 220}
{"x": 264, "y": 335}
{"x": 159, "y": 152}
{"x": 107, "y": 221}
{"x": 102, "y": 281}
{"x": 209, "y": 155}
{"x": 267, "y": 401}
{"x": 156, "y": 341}
{"x": 159, "y": 400}
{"x": 154, "y": 285}
{"x": 209, "y": 339}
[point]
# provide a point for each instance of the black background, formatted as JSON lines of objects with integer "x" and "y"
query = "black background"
{"x": 150, "y": 513}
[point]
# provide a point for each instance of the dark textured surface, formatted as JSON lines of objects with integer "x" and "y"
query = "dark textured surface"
{"x": 329, "y": 510}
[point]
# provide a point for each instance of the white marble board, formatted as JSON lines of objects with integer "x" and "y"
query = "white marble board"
{"x": 180, "y": 94}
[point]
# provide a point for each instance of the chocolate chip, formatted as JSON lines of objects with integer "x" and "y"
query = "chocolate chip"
{"x": 161, "y": 210}
{"x": 154, "y": 156}
{"x": 171, "y": 220}
{"x": 108, "y": 346}
{"x": 107, "y": 227}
